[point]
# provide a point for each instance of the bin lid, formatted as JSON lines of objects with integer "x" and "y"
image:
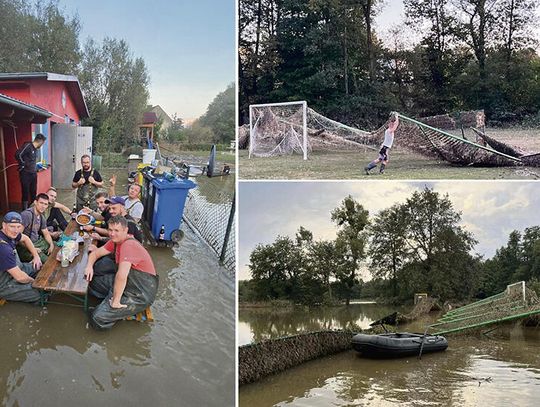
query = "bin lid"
{"x": 162, "y": 183}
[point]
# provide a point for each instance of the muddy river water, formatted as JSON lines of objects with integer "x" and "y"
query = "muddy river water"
{"x": 500, "y": 369}
{"x": 50, "y": 357}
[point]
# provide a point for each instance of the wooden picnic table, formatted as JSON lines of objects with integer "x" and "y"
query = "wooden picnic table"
{"x": 55, "y": 279}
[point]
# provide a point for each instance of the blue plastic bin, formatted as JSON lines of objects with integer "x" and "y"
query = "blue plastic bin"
{"x": 169, "y": 199}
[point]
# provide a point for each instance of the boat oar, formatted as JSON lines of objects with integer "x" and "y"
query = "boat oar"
{"x": 422, "y": 344}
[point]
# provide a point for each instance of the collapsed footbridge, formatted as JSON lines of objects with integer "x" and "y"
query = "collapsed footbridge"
{"x": 514, "y": 303}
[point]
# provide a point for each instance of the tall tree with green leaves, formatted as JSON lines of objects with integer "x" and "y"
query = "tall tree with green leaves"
{"x": 325, "y": 260}
{"x": 498, "y": 271}
{"x": 39, "y": 37}
{"x": 433, "y": 227}
{"x": 55, "y": 40}
{"x": 351, "y": 220}
{"x": 514, "y": 19}
{"x": 476, "y": 29}
{"x": 435, "y": 24}
{"x": 220, "y": 115}
{"x": 276, "y": 267}
{"x": 15, "y": 35}
{"x": 116, "y": 86}
{"x": 388, "y": 249}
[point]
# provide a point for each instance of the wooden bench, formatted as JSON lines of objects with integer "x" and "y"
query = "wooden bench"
{"x": 55, "y": 279}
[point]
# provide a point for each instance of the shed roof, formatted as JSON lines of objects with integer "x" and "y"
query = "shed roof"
{"x": 72, "y": 84}
{"x": 15, "y": 109}
{"x": 149, "y": 117}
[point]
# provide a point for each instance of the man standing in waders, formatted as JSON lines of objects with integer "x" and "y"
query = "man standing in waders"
{"x": 386, "y": 145}
{"x": 26, "y": 157}
{"x": 87, "y": 181}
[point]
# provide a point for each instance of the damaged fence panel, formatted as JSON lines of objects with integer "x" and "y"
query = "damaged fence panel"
{"x": 259, "y": 360}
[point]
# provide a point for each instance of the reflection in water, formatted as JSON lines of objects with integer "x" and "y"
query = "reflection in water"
{"x": 500, "y": 370}
{"x": 50, "y": 357}
{"x": 256, "y": 324}
{"x": 215, "y": 190}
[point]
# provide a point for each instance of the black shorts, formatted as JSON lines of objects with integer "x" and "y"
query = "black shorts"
{"x": 383, "y": 153}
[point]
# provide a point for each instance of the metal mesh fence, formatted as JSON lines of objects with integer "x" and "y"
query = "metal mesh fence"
{"x": 516, "y": 302}
{"x": 209, "y": 210}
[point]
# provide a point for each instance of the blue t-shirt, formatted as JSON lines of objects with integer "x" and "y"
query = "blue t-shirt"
{"x": 8, "y": 253}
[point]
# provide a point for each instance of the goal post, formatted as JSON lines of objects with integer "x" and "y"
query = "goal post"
{"x": 278, "y": 129}
{"x": 517, "y": 289}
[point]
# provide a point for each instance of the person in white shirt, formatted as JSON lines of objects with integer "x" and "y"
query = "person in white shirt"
{"x": 386, "y": 145}
{"x": 134, "y": 206}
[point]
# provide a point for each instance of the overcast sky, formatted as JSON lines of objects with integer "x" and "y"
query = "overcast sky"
{"x": 391, "y": 14}
{"x": 490, "y": 210}
{"x": 188, "y": 46}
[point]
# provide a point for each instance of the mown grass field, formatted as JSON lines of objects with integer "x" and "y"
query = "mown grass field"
{"x": 403, "y": 164}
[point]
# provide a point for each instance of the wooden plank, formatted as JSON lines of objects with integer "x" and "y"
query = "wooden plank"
{"x": 70, "y": 280}
{"x": 143, "y": 316}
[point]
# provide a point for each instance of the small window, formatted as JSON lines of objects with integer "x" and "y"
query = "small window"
{"x": 43, "y": 152}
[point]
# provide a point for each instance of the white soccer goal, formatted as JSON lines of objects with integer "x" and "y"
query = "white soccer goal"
{"x": 516, "y": 289}
{"x": 278, "y": 129}
{"x": 292, "y": 127}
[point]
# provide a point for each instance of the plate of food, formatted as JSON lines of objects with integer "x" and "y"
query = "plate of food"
{"x": 83, "y": 219}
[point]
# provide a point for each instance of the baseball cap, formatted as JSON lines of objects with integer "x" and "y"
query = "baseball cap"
{"x": 115, "y": 200}
{"x": 12, "y": 217}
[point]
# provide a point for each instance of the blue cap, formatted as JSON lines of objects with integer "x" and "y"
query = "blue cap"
{"x": 115, "y": 200}
{"x": 12, "y": 217}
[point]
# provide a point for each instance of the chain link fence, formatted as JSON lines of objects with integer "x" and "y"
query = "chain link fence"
{"x": 210, "y": 211}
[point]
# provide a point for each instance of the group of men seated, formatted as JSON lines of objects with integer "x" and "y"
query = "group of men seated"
{"x": 120, "y": 270}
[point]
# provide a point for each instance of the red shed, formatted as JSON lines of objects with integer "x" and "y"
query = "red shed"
{"x": 31, "y": 103}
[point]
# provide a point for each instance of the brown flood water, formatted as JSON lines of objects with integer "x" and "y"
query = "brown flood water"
{"x": 501, "y": 369}
{"x": 50, "y": 357}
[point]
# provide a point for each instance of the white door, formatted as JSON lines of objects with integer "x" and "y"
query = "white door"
{"x": 83, "y": 144}
{"x": 63, "y": 154}
{"x": 69, "y": 144}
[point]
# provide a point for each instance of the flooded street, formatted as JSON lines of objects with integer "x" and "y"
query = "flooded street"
{"x": 497, "y": 370}
{"x": 50, "y": 357}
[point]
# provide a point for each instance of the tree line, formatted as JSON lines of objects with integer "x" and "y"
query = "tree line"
{"x": 468, "y": 54}
{"x": 414, "y": 246}
{"x": 216, "y": 125}
{"x": 42, "y": 37}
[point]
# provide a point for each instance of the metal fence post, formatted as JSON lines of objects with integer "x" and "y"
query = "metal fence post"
{"x": 228, "y": 231}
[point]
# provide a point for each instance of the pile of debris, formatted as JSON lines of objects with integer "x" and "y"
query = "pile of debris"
{"x": 423, "y": 307}
{"x": 261, "y": 359}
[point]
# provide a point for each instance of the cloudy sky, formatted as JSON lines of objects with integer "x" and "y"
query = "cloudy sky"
{"x": 188, "y": 46}
{"x": 490, "y": 210}
{"x": 391, "y": 14}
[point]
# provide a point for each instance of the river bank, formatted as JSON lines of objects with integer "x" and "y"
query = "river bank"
{"x": 290, "y": 304}
{"x": 495, "y": 370}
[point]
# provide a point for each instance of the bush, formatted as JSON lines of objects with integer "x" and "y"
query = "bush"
{"x": 113, "y": 160}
